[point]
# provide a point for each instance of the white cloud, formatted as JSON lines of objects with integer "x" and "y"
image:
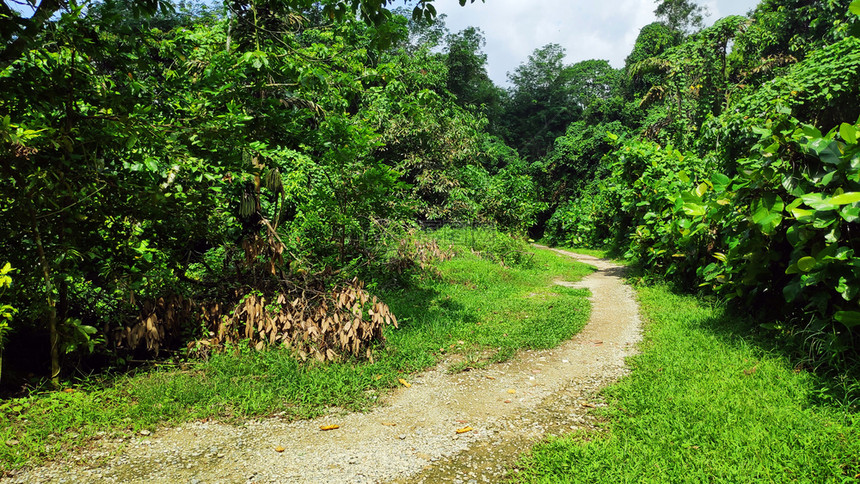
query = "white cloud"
{"x": 586, "y": 29}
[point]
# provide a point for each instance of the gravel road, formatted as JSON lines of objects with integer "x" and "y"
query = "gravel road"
{"x": 412, "y": 436}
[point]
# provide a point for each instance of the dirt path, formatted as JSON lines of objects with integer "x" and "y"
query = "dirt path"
{"x": 412, "y": 436}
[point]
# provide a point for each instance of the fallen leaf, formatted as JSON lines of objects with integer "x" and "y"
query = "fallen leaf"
{"x": 490, "y": 377}
{"x": 404, "y": 383}
{"x": 389, "y": 424}
{"x": 145, "y": 432}
{"x": 462, "y": 421}
{"x": 329, "y": 427}
{"x": 512, "y": 391}
{"x": 507, "y": 401}
{"x": 69, "y": 390}
{"x": 280, "y": 449}
{"x": 464, "y": 430}
{"x": 586, "y": 404}
{"x": 12, "y": 442}
{"x": 377, "y": 377}
{"x": 536, "y": 372}
{"x": 751, "y": 371}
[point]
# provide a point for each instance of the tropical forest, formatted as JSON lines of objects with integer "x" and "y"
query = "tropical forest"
{"x": 314, "y": 241}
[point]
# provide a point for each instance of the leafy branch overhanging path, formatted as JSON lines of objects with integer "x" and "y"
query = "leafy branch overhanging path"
{"x": 412, "y": 436}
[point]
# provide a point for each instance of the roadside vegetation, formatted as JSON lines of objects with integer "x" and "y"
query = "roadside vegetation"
{"x": 745, "y": 413}
{"x": 475, "y": 308}
{"x": 216, "y": 211}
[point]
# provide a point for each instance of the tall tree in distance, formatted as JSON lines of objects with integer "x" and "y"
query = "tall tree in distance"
{"x": 685, "y": 16}
{"x": 467, "y": 71}
{"x": 541, "y": 102}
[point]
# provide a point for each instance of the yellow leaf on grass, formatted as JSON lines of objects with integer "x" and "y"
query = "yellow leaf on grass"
{"x": 464, "y": 430}
{"x": 404, "y": 383}
{"x": 329, "y": 427}
{"x": 512, "y": 391}
{"x": 280, "y": 449}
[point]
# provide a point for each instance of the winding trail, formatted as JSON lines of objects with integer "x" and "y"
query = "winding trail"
{"x": 410, "y": 437}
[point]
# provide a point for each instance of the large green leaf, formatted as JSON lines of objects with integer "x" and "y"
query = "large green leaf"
{"x": 767, "y": 212}
{"x": 848, "y": 132}
{"x": 832, "y": 154}
{"x": 845, "y": 198}
{"x": 848, "y": 318}
{"x": 694, "y": 209}
{"x": 806, "y": 264}
{"x": 791, "y": 291}
{"x": 817, "y": 202}
{"x": 850, "y": 214}
{"x": 720, "y": 181}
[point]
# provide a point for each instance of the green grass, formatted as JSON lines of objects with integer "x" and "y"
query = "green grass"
{"x": 476, "y": 309}
{"x": 706, "y": 403}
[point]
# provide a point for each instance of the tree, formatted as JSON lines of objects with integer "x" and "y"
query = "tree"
{"x": 467, "y": 70}
{"x": 685, "y": 16}
{"x": 18, "y": 31}
{"x": 541, "y": 102}
{"x": 592, "y": 81}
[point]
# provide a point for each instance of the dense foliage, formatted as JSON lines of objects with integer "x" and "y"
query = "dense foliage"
{"x": 740, "y": 175}
{"x": 188, "y": 177}
{"x": 161, "y": 175}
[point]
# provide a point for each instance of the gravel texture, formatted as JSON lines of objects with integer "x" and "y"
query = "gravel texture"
{"x": 412, "y": 436}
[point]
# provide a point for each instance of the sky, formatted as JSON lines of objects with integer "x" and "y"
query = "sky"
{"x": 587, "y": 29}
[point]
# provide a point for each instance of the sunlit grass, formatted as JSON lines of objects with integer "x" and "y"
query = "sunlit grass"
{"x": 475, "y": 308}
{"x": 705, "y": 403}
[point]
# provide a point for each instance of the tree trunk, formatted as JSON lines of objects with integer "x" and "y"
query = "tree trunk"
{"x": 52, "y": 304}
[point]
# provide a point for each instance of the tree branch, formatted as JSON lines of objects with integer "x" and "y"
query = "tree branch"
{"x": 34, "y": 25}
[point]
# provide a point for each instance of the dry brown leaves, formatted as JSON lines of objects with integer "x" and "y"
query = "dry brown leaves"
{"x": 158, "y": 320}
{"x": 325, "y": 327}
{"x": 421, "y": 253}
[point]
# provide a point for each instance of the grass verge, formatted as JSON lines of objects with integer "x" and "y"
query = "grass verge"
{"x": 474, "y": 308}
{"x": 705, "y": 403}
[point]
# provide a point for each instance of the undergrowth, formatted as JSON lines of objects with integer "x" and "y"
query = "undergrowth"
{"x": 494, "y": 298}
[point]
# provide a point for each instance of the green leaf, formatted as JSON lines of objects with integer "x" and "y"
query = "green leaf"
{"x": 854, "y": 7}
{"x": 848, "y": 133}
{"x": 720, "y": 181}
{"x": 694, "y": 209}
{"x": 802, "y": 215}
{"x": 806, "y": 264}
{"x": 817, "y": 202}
{"x": 791, "y": 291}
{"x": 831, "y": 155}
{"x": 767, "y": 212}
{"x": 845, "y": 198}
{"x": 850, "y": 214}
{"x": 848, "y": 318}
{"x": 151, "y": 164}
